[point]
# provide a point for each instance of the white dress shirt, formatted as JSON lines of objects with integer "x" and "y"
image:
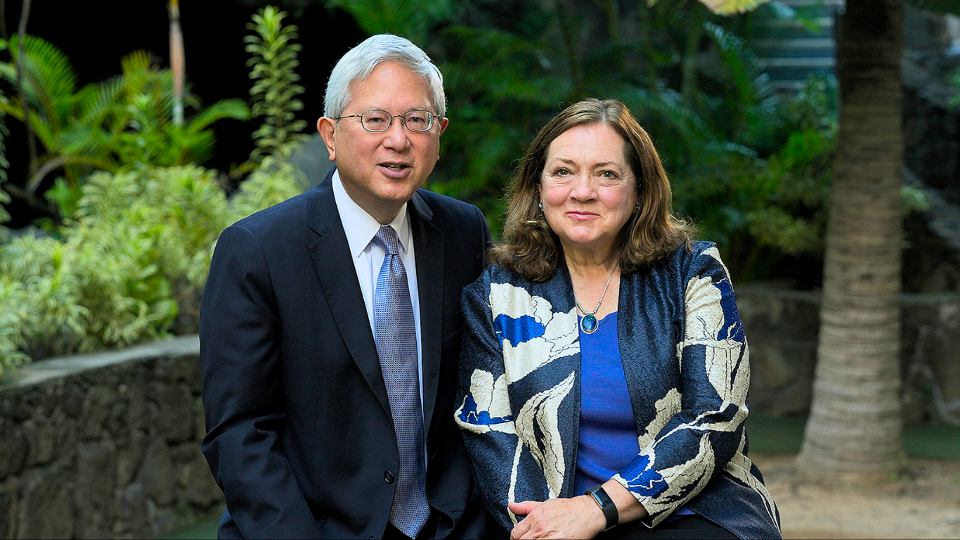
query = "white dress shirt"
{"x": 360, "y": 228}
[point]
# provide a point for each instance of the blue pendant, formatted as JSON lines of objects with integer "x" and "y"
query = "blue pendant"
{"x": 589, "y": 324}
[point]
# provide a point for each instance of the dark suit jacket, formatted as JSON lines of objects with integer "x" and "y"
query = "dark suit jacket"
{"x": 299, "y": 430}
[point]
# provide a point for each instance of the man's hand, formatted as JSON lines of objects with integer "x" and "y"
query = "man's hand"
{"x": 577, "y": 517}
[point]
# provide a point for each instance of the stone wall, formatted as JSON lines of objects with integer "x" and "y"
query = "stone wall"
{"x": 782, "y": 325}
{"x": 105, "y": 445}
{"x": 108, "y": 445}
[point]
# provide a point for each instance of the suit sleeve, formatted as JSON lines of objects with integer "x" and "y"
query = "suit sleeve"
{"x": 703, "y": 418}
{"x": 243, "y": 395}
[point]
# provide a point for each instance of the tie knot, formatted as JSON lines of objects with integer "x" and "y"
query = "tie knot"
{"x": 386, "y": 238}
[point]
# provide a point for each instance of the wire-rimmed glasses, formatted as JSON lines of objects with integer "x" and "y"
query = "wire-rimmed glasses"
{"x": 378, "y": 121}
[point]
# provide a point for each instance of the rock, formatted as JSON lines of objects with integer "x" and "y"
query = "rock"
{"x": 95, "y": 488}
{"x": 157, "y": 474}
{"x": 45, "y": 509}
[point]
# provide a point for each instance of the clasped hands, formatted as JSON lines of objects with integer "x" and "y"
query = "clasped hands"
{"x": 576, "y": 517}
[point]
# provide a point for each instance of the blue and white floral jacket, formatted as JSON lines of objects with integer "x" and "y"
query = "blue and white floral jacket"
{"x": 687, "y": 368}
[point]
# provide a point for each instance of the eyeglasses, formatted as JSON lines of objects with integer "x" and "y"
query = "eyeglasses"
{"x": 378, "y": 121}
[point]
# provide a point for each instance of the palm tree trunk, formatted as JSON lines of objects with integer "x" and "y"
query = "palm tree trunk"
{"x": 177, "y": 62}
{"x": 855, "y": 423}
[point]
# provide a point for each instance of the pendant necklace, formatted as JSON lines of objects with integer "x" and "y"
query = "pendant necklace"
{"x": 589, "y": 322}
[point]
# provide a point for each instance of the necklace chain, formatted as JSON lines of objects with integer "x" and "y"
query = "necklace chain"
{"x": 604, "y": 293}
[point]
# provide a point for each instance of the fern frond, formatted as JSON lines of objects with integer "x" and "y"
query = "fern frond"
{"x": 234, "y": 109}
{"x": 49, "y": 79}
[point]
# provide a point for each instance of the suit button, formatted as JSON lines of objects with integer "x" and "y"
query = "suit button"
{"x": 388, "y": 476}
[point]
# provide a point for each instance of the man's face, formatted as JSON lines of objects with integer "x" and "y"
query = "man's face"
{"x": 381, "y": 171}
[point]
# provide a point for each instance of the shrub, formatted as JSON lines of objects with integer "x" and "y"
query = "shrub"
{"x": 128, "y": 265}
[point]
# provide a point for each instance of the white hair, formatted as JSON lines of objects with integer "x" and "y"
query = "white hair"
{"x": 359, "y": 61}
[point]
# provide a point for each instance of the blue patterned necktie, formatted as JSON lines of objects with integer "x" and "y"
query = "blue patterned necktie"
{"x": 397, "y": 347}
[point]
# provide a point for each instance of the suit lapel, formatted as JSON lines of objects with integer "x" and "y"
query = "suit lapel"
{"x": 428, "y": 240}
{"x": 338, "y": 278}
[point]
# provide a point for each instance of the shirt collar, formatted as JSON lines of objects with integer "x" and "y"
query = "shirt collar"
{"x": 359, "y": 226}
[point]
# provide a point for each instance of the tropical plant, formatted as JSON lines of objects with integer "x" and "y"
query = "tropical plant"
{"x": 4, "y": 216}
{"x": 131, "y": 257}
{"x": 4, "y": 164}
{"x": 274, "y": 92}
{"x": 120, "y": 122}
{"x": 48, "y": 315}
{"x": 510, "y": 66}
{"x": 11, "y": 357}
{"x": 769, "y": 213}
{"x": 411, "y": 19}
{"x": 130, "y": 263}
{"x": 274, "y": 181}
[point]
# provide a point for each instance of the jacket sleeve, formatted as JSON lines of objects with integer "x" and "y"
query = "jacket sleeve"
{"x": 243, "y": 395}
{"x": 483, "y": 406}
{"x": 702, "y": 420}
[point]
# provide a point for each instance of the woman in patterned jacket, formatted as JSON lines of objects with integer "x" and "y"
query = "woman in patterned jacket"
{"x": 604, "y": 371}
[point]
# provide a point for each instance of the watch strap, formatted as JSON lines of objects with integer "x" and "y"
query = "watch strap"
{"x": 599, "y": 495}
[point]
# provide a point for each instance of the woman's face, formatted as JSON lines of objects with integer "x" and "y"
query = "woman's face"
{"x": 588, "y": 189}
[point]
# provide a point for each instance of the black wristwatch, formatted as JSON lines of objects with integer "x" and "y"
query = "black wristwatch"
{"x": 606, "y": 505}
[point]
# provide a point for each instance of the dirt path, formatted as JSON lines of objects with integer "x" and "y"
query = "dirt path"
{"x": 923, "y": 503}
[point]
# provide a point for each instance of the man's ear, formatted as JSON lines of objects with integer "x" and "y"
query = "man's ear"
{"x": 328, "y": 128}
{"x": 443, "y": 124}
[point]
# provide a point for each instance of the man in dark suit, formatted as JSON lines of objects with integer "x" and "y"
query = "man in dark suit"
{"x": 330, "y": 328}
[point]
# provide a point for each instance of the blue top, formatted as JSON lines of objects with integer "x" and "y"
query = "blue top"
{"x": 608, "y": 437}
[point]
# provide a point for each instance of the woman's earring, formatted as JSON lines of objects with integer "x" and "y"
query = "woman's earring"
{"x": 541, "y": 206}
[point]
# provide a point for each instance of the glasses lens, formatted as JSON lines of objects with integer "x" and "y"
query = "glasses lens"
{"x": 418, "y": 120}
{"x": 375, "y": 120}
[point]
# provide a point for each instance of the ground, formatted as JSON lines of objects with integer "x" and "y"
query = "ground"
{"x": 922, "y": 502}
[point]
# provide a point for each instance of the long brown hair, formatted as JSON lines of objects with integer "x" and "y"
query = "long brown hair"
{"x": 533, "y": 250}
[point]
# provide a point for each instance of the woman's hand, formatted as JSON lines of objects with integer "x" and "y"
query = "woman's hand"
{"x": 577, "y": 517}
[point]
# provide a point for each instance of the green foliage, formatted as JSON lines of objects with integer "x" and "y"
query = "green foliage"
{"x": 140, "y": 220}
{"x": 954, "y": 79}
{"x": 412, "y": 19}
{"x": 4, "y": 199}
{"x": 274, "y": 182}
{"x": 689, "y": 76}
{"x": 120, "y": 122}
{"x": 128, "y": 263}
{"x": 499, "y": 94}
{"x": 4, "y": 164}
{"x": 274, "y": 91}
{"x": 49, "y": 317}
{"x": 769, "y": 213}
{"x": 10, "y": 355}
{"x": 914, "y": 199}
